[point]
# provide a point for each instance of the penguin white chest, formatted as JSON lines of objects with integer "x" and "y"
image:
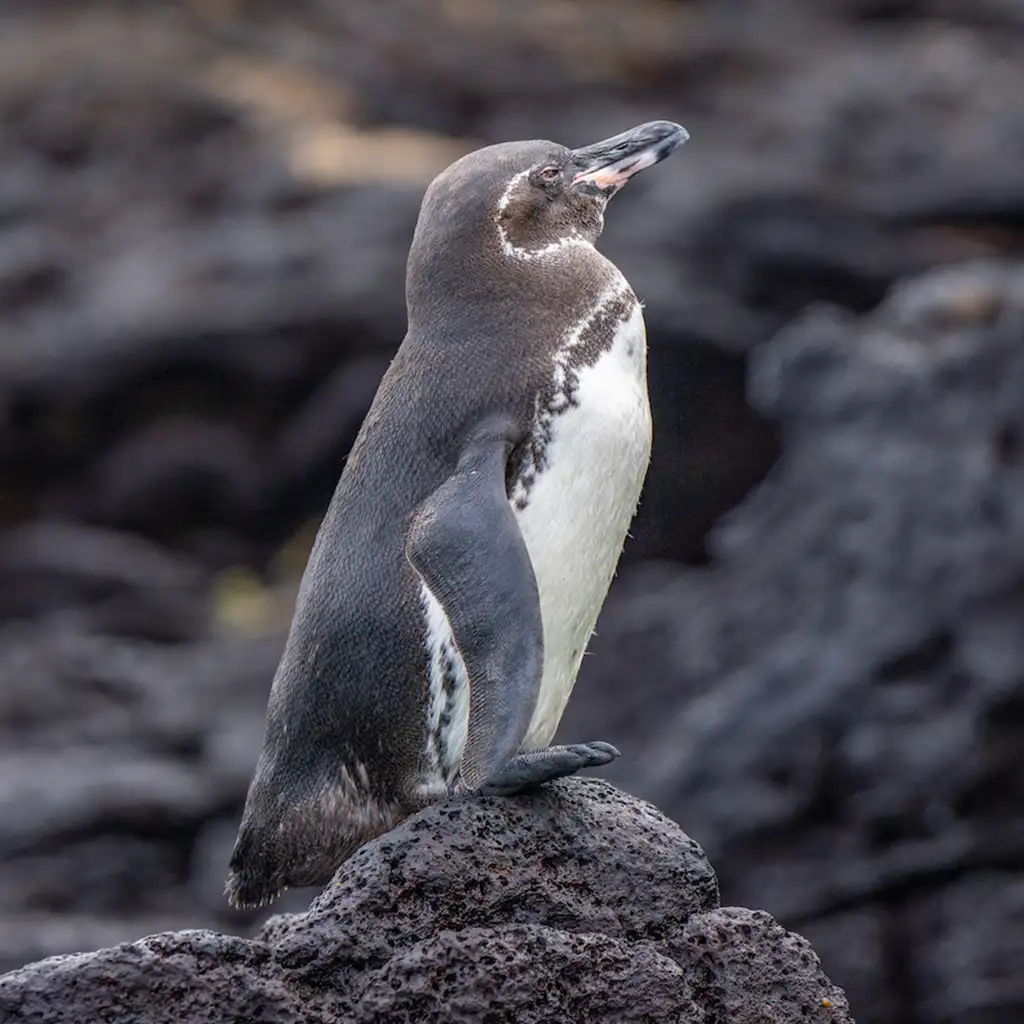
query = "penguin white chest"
{"x": 575, "y": 503}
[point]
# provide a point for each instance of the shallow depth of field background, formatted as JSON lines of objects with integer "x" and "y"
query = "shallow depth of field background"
{"x": 813, "y": 657}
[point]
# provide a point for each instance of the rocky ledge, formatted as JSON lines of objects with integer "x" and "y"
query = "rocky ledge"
{"x": 577, "y": 903}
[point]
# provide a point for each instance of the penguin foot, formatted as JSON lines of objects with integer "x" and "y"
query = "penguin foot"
{"x": 532, "y": 769}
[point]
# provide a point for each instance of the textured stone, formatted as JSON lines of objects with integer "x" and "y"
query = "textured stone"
{"x": 576, "y": 903}
{"x": 581, "y": 857}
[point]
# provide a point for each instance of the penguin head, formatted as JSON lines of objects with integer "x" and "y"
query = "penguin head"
{"x": 561, "y": 193}
{"x": 524, "y": 204}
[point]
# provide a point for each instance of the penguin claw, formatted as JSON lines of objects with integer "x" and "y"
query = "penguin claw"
{"x": 599, "y": 752}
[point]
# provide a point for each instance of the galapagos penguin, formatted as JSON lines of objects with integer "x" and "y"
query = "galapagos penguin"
{"x": 459, "y": 570}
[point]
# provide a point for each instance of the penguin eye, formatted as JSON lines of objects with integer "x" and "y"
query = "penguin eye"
{"x": 548, "y": 174}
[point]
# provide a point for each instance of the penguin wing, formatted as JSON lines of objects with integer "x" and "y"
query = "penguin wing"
{"x": 466, "y": 546}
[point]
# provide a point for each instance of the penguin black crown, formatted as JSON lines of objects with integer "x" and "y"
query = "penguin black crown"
{"x": 459, "y": 570}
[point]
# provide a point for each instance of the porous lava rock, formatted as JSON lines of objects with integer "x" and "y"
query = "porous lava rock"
{"x": 577, "y": 902}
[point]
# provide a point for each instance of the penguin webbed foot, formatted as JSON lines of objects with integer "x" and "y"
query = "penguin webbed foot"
{"x": 535, "y": 767}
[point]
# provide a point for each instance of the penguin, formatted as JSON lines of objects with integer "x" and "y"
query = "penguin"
{"x": 459, "y": 570}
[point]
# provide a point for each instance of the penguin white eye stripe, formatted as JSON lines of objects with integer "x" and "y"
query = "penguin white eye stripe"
{"x": 509, "y": 189}
{"x": 522, "y": 252}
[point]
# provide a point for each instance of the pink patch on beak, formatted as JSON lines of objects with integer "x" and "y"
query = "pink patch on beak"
{"x": 617, "y": 174}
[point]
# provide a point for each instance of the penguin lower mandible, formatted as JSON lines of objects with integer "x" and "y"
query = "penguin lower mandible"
{"x": 459, "y": 570}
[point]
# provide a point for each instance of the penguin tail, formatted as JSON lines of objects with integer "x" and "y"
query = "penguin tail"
{"x": 306, "y": 844}
{"x": 247, "y": 887}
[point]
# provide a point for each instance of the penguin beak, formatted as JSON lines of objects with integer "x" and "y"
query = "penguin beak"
{"x": 604, "y": 167}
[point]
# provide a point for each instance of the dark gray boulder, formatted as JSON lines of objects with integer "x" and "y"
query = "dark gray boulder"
{"x": 575, "y": 903}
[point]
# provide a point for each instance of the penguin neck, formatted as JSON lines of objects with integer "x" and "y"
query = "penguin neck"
{"x": 547, "y": 253}
{"x": 494, "y": 283}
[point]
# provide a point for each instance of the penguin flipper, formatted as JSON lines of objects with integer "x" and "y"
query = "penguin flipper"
{"x": 466, "y": 546}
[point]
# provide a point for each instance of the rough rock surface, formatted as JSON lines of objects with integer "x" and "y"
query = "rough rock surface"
{"x": 576, "y": 903}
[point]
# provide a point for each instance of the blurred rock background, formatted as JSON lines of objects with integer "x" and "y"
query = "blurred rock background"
{"x": 813, "y": 657}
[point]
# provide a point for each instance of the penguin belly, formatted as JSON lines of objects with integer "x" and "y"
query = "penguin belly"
{"x": 573, "y": 505}
{"x": 580, "y": 504}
